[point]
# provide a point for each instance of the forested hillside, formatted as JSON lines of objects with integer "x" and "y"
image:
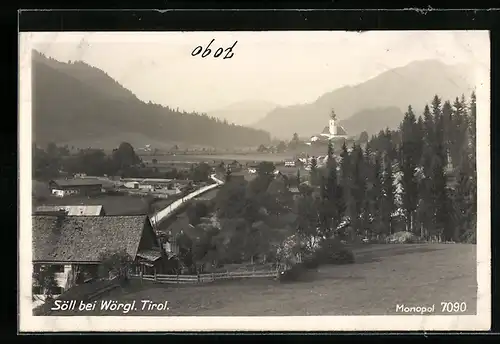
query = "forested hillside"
{"x": 75, "y": 102}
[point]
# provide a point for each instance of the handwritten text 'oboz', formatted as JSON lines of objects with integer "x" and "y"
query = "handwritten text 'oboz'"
{"x": 217, "y": 53}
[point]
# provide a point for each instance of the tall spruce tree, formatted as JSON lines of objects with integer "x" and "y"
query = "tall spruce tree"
{"x": 447, "y": 118}
{"x": 358, "y": 189}
{"x": 442, "y": 219}
{"x": 408, "y": 163}
{"x": 441, "y": 215}
{"x": 314, "y": 173}
{"x": 463, "y": 202}
{"x": 346, "y": 179}
{"x": 426, "y": 206}
{"x": 428, "y": 140}
{"x": 388, "y": 206}
{"x": 375, "y": 195}
{"x": 458, "y": 135}
{"x": 367, "y": 207}
{"x": 472, "y": 130}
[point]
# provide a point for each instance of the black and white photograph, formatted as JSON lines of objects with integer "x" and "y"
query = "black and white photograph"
{"x": 238, "y": 180}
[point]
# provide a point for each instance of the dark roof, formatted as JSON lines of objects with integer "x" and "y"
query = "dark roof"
{"x": 341, "y": 130}
{"x": 151, "y": 255}
{"x": 76, "y": 182}
{"x": 71, "y": 210}
{"x": 84, "y": 238}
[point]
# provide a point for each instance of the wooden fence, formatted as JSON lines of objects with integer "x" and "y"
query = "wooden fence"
{"x": 208, "y": 277}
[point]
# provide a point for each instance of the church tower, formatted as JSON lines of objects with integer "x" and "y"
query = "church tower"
{"x": 331, "y": 123}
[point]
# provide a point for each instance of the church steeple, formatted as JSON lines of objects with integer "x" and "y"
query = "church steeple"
{"x": 332, "y": 128}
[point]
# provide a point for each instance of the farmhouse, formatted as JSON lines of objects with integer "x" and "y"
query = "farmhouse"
{"x": 72, "y": 246}
{"x": 65, "y": 187}
{"x": 71, "y": 210}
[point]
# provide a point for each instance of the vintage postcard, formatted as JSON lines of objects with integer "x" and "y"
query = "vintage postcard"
{"x": 260, "y": 181}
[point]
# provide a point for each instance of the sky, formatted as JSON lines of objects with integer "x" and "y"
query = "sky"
{"x": 286, "y": 67}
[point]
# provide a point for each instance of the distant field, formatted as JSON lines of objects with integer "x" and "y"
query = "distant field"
{"x": 384, "y": 276}
{"x": 219, "y": 157}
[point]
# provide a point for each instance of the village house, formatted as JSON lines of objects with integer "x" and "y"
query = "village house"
{"x": 66, "y": 187}
{"x": 71, "y": 210}
{"x": 73, "y": 246}
{"x": 131, "y": 185}
{"x": 295, "y": 192}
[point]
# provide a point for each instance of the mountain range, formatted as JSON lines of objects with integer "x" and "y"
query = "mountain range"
{"x": 374, "y": 104}
{"x": 77, "y": 104}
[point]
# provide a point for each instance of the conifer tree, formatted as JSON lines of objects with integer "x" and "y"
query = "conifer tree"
{"x": 330, "y": 150}
{"x": 388, "y": 191}
{"x": 408, "y": 164}
{"x": 228, "y": 175}
{"x": 472, "y": 130}
{"x": 346, "y": 178}
{"x": 428, "y": 138}
{"x": 464, "y": 208}
{"x": 334, "y": 195}
{"x": 447, "y": 118}
{"x": 441, "y": 219}
{"x": 358, "y": 189}
{"x": 458, "y": 136}
{"x": 376, "y": 193}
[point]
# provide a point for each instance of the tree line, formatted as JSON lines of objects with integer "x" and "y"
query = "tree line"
{"x": 422, "y": 176}
{"x": 55, "y": 161}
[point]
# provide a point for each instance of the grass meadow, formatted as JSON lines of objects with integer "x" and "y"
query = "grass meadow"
{"x": 382, "y": 277}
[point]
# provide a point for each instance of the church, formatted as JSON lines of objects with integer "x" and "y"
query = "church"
{"x": 332, "y": 132}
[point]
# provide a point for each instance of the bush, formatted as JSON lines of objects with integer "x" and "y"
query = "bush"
{"x": 296, "y": 273}
{"x": 469, "y": 237}
{"x": 403, "y": 237}
{"x": 312, "y": 262}
{"x": 332, "y": 251}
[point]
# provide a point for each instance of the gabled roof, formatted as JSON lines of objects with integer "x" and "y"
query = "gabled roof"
{"x": 341, "y": 130}
{"x": 84, "y": 238}
{"x": 151, "y": 255}
{"x": 72, "y": 210}
{"x": 77, "y": 182}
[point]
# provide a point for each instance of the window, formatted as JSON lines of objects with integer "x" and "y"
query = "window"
{"x": 58, "y": 268}
{"x": 56, "y": 290}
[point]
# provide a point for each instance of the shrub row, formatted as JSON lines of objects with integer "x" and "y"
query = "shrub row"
{"x": 331, "y": 251}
